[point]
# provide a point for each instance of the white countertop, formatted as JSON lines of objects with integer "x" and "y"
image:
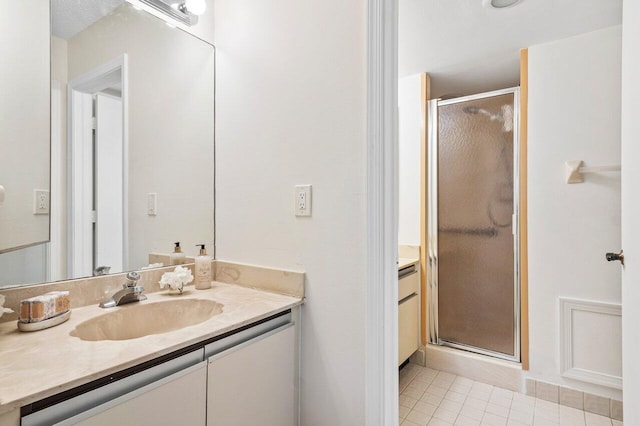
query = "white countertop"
{"x": 403, "y": 262}
{"x": 39, "y": 364}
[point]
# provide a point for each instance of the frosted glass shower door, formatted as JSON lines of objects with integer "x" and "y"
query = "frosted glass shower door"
{"x": 473, "y": 211}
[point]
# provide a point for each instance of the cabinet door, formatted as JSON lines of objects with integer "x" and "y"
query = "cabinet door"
{"x": 254, "y": 383}
{"x": 179, "y": 399}
{"x": 407, "y": 328}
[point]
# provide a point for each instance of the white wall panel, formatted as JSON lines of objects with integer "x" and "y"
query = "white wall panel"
{"x": 574, "y": 114}
{"x": 585, "y": 355}
{"x": 291, "y": 109}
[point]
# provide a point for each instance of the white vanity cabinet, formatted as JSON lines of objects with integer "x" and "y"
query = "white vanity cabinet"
{"x": 244, "y": 377}
{"x": 179, "y": 399}
{"x": 253, "y": 383}
{"x": 171, "y": 392}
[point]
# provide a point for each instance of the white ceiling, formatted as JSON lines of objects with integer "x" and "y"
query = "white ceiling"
{"x": 468, "y": 48}
{"x": 69, "y": 17}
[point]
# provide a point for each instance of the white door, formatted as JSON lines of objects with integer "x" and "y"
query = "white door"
{"x": 631, "y": 211}
{"x": 108, "y": 189}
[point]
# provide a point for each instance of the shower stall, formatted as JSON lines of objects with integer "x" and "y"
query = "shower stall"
{"x": 473, "y": 284}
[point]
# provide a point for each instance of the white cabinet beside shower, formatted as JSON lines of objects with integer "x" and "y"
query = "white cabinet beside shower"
{"x": 408, "y": 309}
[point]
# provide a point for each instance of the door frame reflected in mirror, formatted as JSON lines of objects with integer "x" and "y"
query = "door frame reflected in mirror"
{"x": 85, "y": 250}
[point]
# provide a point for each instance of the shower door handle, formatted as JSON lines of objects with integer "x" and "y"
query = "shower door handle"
{"x": 616, "y": 256}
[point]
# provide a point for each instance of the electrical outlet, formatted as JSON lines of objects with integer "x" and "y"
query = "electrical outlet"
{"x": 40, "y": 201}
{"x": 302, "y": 200}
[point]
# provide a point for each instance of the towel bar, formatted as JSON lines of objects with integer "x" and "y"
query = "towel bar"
{"x": 575, "y": 170}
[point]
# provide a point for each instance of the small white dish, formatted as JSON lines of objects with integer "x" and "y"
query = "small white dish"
{"x": 41, "y": 325}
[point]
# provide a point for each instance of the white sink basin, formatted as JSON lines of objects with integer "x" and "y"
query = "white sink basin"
{"x": 142, "y": 319}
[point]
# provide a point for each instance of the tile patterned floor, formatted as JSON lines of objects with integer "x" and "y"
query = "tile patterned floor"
{"x": 431, "y": 397}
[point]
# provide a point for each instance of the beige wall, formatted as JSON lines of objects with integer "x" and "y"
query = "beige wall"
{"x": 291, "y": 109}
{"x": 24, "y": 120}
{"x": 574, "y": 114}
{"x": 409, "y": 128}
{"x": 30, "y": 265}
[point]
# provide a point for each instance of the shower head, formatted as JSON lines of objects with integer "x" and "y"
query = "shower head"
{"x": 471, "y": 109}
{"x": 505, "y": 115}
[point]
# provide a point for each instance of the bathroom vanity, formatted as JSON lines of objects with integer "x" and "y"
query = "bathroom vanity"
{"x": 408, "y": 307}
{"x": 95, "y": 91}
{"x": 244, "y": 354}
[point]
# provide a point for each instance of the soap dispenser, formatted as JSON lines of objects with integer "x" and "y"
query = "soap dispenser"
{"x": 203, "y": 269}
{"x": 177, "y": 257}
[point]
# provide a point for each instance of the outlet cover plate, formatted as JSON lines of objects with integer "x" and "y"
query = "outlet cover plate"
{"x": 302, "y": 200}
{"x": 40, "y": 201}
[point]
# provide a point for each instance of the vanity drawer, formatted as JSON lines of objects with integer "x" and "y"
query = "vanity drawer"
{"x": 409, "y": 283}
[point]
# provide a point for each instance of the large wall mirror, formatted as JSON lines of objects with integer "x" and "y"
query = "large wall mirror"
{"x": 132, "y": 143}
{"x": 24, "y": 124}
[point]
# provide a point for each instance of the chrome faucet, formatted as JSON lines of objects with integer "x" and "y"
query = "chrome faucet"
{"x": 131, "y": 292}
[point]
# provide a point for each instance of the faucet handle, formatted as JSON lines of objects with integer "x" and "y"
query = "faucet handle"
{"x": 132, "y": 279}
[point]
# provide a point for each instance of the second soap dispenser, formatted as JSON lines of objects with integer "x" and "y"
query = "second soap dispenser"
{"x": 177, "y": 257}
{"x": 203, "y": 269}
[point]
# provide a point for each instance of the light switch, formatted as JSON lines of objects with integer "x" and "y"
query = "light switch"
{"x": 1, "y": 194}
{"x": 152, "y": 203}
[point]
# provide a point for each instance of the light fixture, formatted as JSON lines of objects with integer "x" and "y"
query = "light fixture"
{"x": 499, "y": 4}
{"x": 197, "y": 7}
{"x": 185, "y": 12}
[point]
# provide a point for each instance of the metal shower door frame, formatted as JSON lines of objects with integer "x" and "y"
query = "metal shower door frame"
{"x": 432, "y": 222}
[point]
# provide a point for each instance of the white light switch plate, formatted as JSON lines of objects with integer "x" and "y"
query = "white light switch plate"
{"x": 302, "y": 200}
{"x": 40, "y": 201}
{"x": 152, "y": 203}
